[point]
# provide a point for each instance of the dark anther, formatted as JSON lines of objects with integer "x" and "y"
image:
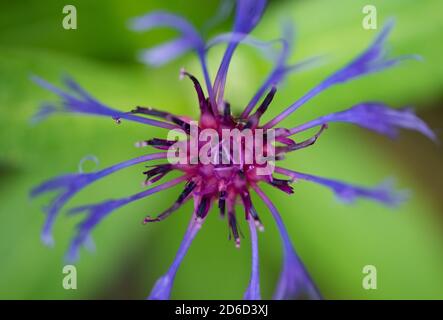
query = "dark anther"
{"x": 246, "y": 202}
{"x": 203, "y": 207}
{"x": 255, "y": 118}
{"x": 160, "y": 142}
{"x": 200, "y": 94}
{"x": 304, "y": 144}
{"x": 234, "y": 228}
{"x": 162, "y": 114}
{"x": 150, "y": 112}
{"x": 157, "y": 143}
{"x": 250, "y": 211}
{"x": 309, "y": 141}
{"x": 158, "y": 169}
{"x": 256, "y": 218}
{"x": 157, "y": 173}
{"x": 190, "y": 186}
{"x": 227, "y": 110}
{"x": 282, "y": 184}
{"x": 185, "y": 126}
{"x": 266, "y": 102}
{"x": 222, "y": 203}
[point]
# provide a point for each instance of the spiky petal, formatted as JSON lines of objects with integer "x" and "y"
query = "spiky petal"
{"x": 97, "y": 212}
{"x": 373, "y": 59}
{"x": 79, "y": 101}
{"x": 253, "y": 290}
{"x": 163, "y": 286}
{"x": 295, "y": 282}
{"x": 68, "y": 186}
{"x": 374, "y": 116}
{"x": 348, "y": 193}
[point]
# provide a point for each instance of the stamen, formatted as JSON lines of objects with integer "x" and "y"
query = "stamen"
{"x": 158, "y": 169}
{"x": 222, "y": 203}
{"x": 141, "y": 144}
{"x": 266, "y": 102}
{"x": 185, "y": 126}
{"x": 233, "y": 226}
{"x": 150, "y": 112}
{"x": 250, "y": 210}
{"x": 256, "y": 218}
{"x": 203, "y": 207}
{"x": 227, "y": 111}
{"x": 160, "y": 142}
{"x": 285, "y": 140}
{"x": 157, "y": 143}
{"x": 282, "y": 184}
{"x": 200, "y": 94}
{"x": 162, "y": 114}
{"x": 304, "y": 144}
{"x": 190, "y": 186}
{"x": 246, "y": 202}
{"x": 255, "y": 118}
{"x": 157, "y": 173}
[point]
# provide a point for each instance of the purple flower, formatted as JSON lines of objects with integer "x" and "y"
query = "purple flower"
{"x": 226, "y": 184}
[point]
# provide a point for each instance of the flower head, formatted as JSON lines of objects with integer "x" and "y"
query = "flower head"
{"x": 215, "y": 173}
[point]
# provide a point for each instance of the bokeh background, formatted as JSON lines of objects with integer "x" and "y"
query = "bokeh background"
{"x": 334, "y": 240}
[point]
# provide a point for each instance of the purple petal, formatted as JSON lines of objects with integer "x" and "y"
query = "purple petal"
{"x": 295, "y": 282}
{"x": 247, "y": 16}
{"x": 348, "y": 193}
{"x": 374, "y": 116}
{"x": 163, "y": 286}
{"x": 164, "y": 53}
{"x": 223, "y": 12}
{"x": 81, "y": 102}
{"x": 264, "y": 47}
{"x": 43, "y": 112}
{"x": 280, "y": 68}
{"x": 165, "y": 19}
{"x": 373, "y": 59}
{"x": 279, "y": 73}
{"x": 69, "y": 185}
{"x": 190, "y": 38}
{"x": 253, "y": 290}
{"x": 96, "y": 213}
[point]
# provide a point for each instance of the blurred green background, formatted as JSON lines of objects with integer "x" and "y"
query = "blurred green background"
{"x": 334, "y": 240}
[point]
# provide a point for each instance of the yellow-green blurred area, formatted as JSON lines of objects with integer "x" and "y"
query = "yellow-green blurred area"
{"x": 334, "y": 240}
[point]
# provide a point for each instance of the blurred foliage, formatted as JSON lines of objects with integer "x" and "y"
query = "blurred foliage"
{"x": 334, "y": 240}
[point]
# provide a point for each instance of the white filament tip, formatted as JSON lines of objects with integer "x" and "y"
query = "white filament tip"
{"x": 140, "y": 144}
{"x": 182, "y": 74}
{"x": 259, "y": 226}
